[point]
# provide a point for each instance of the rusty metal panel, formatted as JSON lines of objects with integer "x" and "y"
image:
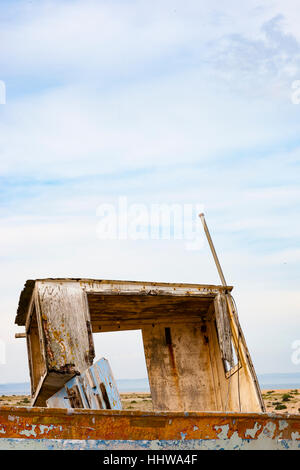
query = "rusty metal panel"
{"x": 94, "y": 389}
{"x": 110, "y": 429}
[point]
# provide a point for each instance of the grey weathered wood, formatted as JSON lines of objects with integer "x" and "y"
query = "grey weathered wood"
{"x": 65, "y": 334}
{"x": 66, "y": 327}
{"x": 179, "y": 367}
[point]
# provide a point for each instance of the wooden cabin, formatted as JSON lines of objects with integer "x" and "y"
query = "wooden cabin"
{"x": 196, "y": 355}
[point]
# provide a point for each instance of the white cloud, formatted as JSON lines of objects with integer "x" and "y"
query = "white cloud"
{"x": 143, "y": 85}
{"x": 72, "y": 132}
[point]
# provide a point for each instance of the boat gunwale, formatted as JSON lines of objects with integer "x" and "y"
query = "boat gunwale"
{"x": 43, "y": 411}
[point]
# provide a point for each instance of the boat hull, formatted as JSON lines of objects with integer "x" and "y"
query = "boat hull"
{"x": 46, "y": 428}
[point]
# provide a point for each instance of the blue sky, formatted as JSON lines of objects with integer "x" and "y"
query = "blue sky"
{"x": 162, "y": 102}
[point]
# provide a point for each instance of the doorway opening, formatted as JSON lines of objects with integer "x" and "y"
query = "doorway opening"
{"x": 124, "y": 351}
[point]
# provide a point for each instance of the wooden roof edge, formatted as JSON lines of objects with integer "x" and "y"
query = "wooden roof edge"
{"x": 27, "y": 291}
{"x": 24, "y": 300}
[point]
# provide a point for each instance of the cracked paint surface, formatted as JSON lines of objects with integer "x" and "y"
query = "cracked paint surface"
{"x": 194, "y": 444}
{"x": 45, "y": 428}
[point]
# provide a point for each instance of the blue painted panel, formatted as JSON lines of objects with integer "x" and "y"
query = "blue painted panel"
{"x": 96, "y": 388}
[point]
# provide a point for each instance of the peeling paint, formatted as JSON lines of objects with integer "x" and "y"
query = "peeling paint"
{"x": 213, "y": 444}
{"x": 29, "y": 432}
{"x": 224, "y": 431}
{"x": 108, "y": 429}
{"x": 269, "y": 429}
{"x": 252, "y": 432}
{"x": 283, "y": 425}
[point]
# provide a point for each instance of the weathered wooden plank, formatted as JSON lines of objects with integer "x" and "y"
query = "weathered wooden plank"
{"x": 223, "y": 327}
{"x": 66, "y": 327}
{"x": 179, "y": 368}
{"x": 65, "y": 337}
{"x": 94, "y": 389}
{"x": 101, "y": 327}
{"x": 150, "y": 288}
{"x": 246, "y": 379}
{"x": 119, "y": 311}
{"x": 35, "y": 348}
{"x": 110, "y": 287}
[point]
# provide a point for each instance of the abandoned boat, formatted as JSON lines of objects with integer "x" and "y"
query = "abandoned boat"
{"x": 203, "y": 384}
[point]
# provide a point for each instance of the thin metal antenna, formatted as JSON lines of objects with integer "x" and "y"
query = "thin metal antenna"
{"x": 212, "y": 249}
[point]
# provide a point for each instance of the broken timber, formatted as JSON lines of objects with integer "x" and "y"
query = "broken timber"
{"x": 95, "y": 389}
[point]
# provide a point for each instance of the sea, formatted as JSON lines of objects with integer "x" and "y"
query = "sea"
{"x": 267, "y": 381}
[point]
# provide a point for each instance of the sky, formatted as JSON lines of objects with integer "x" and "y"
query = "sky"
{"x": 160, "y": 103}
